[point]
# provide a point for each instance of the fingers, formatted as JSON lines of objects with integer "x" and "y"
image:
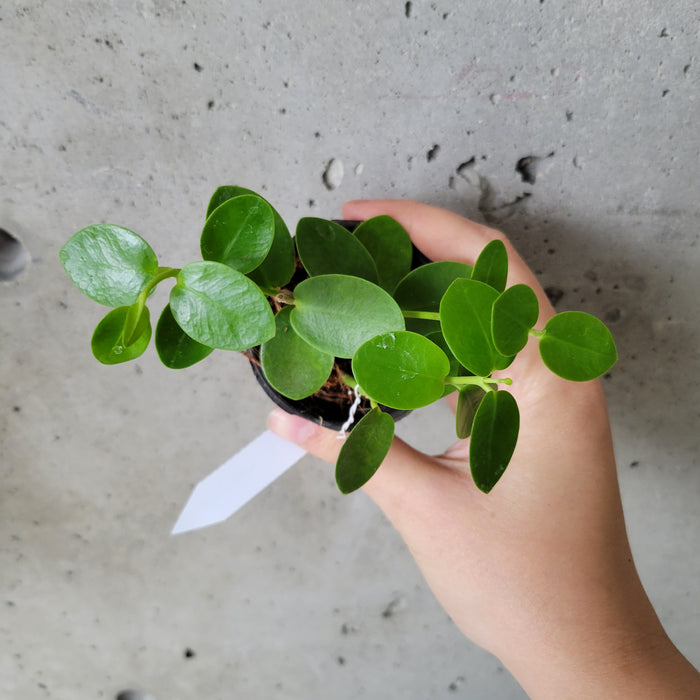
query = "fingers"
{"x": 444, "y": 235}
{"x": 405, "y": 473}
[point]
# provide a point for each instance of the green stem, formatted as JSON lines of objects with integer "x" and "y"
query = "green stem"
{"x": 537, "y": 334}
{"x": 486, "y": 383}
{"x": 162, "y": 274}
{"x": 428, "y": 315}
{"x": 348, "y": 379}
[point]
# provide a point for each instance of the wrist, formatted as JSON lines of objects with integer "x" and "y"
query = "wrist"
{"x": 619, "y": 652}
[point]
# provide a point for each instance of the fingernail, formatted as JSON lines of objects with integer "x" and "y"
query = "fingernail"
{"x": 293, "y": 428}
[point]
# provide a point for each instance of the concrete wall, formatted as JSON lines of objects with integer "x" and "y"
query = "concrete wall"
{"x": 133, "y": 112}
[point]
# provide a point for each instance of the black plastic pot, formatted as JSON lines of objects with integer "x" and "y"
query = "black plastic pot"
{"x": 318, "y": 409}
{"x": 329, "y": 414}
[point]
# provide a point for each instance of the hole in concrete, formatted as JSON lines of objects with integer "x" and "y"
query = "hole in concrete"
{"x": 530, "y": 167}
{"x": 13, "y": 256}
{"x": 133, "y": 695}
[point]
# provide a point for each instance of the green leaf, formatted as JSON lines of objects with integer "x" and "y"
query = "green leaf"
{"x": 455, "y": 368}
{"x": 401, "y": 370}
{"x": 326, "y": 248}
{"x": 292, "y": 366}
{"x": 439, "y": 339}
{"x": 239, "y": 233}
{"x": 108, "y": 344}
{"x": 493, "y": 439}
{"x": 390, "y": 248}
{"x": 491, "y": 267}
{"x": 364, "y": 450}
{"x": 465, "y": 318}
{"x": 278, "y": 267}
{"x": 468, "y": 401}
{"x": 423, "y": 288}
{"x": 220, "y": 307}
{"x": 175, "y": 348}
{"x": 337, "y": 313}
{"x": 514, "y": 313}
{"x": 109, "y": 264}
{"x": 577, "y": 346}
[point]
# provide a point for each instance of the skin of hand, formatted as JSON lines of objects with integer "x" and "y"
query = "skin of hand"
{"x": 538, "y": 572}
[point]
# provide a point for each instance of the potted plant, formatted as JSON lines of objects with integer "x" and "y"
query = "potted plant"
{"x": 334, "y": 312}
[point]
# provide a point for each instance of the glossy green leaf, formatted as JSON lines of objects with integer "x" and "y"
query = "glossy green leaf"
{"x": 292, "y": 366}
{"x": 278, "y": 267}
{"x": 108, "y": 344}
{"x": 239, "y": 233}
{"x": 390, "y": 248}
{"x": 491, "y": 267}
{"x": 175, "y": 348}
{"x": 514, "y": 313}
{"x": 468, "y": 401}
{"x": 455, "y": 368}
{"x": 109, "y": 264}
{"x": 423, "y": 288}
{"x": 337, "y": 313}
{"x": 465, "y": 318}
{"x": 494, "y": 435}
{"x": 220, "y": 307}
{"x": 326, "y": 248}
{"x": 401, "y": 370}
{"x": 577, "y": 346}
{"x": 364, "y": 450}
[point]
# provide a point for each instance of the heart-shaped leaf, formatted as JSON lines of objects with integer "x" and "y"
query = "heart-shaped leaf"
{"x": 220, "y": 307}
{"x": 577, "y": 346}
{"x": 108, "y": 344}
{"x": 390, "y": 248}
{"x": 337, "y": 313}
{"x": 364, "y": 450}
{"x": 278, "y": 267}
{"x": 514, "y": 313}
{"x": 401, "y": 370}
{"x": 239, "y": 233}
{"x": 491, "y": 267}
{"x": 175, "y": 348}
{"x": 292, "y": 366}
{"x": 109, "y": 264}
{"x": 494, "y": 435}
{"x": 465, "y": 318}
{"x": 423, "y": 288}
{"x": 326, "y": 248}
{"x": 468, "y": 401}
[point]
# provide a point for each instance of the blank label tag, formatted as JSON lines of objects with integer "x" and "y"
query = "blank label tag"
{"x": 228, "y": 488}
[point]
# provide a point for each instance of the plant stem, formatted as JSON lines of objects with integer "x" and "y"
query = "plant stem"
{"x": 486, "y": 383}
{"x": 535, "y": 333}
{"x": 428, "y": 315}
{"x": 348, "y": 379}
{"x": 162, "y": 274}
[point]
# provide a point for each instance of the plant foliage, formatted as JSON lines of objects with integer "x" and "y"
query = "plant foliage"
{"x": 413, "y": 335}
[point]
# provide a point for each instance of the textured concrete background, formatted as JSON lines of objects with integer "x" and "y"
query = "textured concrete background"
{"x": 133, "y": 113}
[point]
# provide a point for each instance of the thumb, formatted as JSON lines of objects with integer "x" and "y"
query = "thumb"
{"x": 405, "y": 477}
{"x": 318, "y": 441}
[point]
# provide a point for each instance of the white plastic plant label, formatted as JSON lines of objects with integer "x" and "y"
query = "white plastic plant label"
{"x": 228, "y": 488}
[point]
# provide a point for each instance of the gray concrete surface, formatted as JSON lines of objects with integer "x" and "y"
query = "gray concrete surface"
{"x": 133, "y": 113}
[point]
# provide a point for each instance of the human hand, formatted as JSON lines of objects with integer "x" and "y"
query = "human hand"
{"x": 539, "y": 571}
